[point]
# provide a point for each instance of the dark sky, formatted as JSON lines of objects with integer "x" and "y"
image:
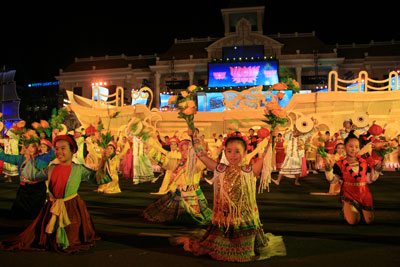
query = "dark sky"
{"x": 37, "y": 39}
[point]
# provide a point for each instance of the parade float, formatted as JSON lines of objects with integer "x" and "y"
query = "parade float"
{"x": 113, "y": 114}
{"x": 364, "y": 100}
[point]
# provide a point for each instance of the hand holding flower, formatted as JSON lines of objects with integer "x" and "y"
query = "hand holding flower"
{"x": 187, "y": 106}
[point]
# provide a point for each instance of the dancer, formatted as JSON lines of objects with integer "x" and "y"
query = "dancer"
{"x": 11, "y": 147}
{"x": 64, "y": 223}
{"x": 45, "y": 146}
{"x": 31, "y": 194}
{"x": 185, "y": 203}
{"x": 109, "y": 167}
{"x": 93, "y": 157}
{"x": 347, "y": 127}
{"x": 79, "y": 156}
{"x": 169, "y": 161}
{"x": 236, "y": 233}
{"x": 126, "y": 163}
{"x": 355, "y": 174}
{"x": 142, "y": 168}
{"x": 292, "y": 165}
{"x": 279, "y": 152}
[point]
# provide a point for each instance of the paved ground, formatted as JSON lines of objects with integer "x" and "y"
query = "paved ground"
{"x": 313, "y": 230}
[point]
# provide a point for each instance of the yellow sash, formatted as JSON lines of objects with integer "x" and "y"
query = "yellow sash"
{"x": 59, "y": 211}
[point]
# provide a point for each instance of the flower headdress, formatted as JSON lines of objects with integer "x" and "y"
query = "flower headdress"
{"x": 237, "y": 135}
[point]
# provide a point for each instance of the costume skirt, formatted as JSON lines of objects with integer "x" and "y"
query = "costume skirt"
{"x": 80, "y": 233}
{"x": 185, "y": 205}
{"x": 234, "y": 244}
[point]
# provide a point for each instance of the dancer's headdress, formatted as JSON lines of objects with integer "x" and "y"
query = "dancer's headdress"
{"x": 237, "y": 135}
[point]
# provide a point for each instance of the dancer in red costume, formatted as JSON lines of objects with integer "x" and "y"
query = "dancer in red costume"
{"x": 355, "y": 174}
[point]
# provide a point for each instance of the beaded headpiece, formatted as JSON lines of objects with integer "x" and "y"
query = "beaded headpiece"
{"x": 237, "y": 135}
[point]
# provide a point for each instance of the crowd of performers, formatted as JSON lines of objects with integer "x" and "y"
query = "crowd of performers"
{"x": 51, "y": 167}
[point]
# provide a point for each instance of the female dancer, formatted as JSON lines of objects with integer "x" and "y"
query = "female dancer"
{"x": 236, "y": 233}
{"x": 64, "y": 223}
{"x": 355, "y": 175}
{"x": 185, "y": 202}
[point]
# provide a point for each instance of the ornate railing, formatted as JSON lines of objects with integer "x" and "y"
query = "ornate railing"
{"x": 118, "y": 101}
{"x": 337, "y": 84}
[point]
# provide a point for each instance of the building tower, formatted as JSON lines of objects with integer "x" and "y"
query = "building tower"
{"x": 9, "y": 100}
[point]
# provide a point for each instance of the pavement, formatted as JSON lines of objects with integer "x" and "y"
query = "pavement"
{"x": 312, "y": 227}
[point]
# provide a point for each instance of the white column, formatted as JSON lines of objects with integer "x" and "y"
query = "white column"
{"x": 227, "y": 28}
{"x": 157, "y": 77}
{"x": 298, "y": 74}
{"x": 191, "y": 75}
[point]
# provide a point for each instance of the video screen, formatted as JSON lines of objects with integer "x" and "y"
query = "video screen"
{"x": 102, "y": 91}
{"x": 213, "y": 102}
{"x": 234, "y": 74}
{"x": 164, "y": 100}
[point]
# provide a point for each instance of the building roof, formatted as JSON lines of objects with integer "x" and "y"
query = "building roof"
{"x": 112, "y": 62}
{"x": 383, "y": 49}
{"x": 305, "y": 43}
{"x": 183, "y": 49}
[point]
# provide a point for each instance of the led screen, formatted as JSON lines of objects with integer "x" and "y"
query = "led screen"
{"x": 214, "y": 102}
{"x": 103, "y": 93}
{"x": 164, "y": 100}
{"x": 233, "y": 74}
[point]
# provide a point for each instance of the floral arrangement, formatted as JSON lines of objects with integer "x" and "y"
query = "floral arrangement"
{"x": 286, "y": 75}
{"x": 137, "y": 129}
{"x": 43, "y": 126}
{"x": 186, "y": 105}
{"x": 17, "y": 129}
{"x": 384, "y": 147}
{"x": 320, "y": 144}
{"x": 275, "y": 115}
{"x": 105, "y": 136}
{"x": 172, "y": 100}
{"x": 292, "y": 84}
{"x": 29, "y": 137}
{"x": 58, "y": 118}
{"x": 322, "y": 152}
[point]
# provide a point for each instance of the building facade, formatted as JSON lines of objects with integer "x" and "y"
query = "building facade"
{"x": 305, "y": 57}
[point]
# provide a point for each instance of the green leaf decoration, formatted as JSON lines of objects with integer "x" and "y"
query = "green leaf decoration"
{"x": 58, "y": 118}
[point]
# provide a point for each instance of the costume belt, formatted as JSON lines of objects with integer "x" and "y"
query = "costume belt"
{"x": 59, "y": 211}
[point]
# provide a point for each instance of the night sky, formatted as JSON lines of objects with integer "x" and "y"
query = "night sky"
{"x": 38, "y": 40}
